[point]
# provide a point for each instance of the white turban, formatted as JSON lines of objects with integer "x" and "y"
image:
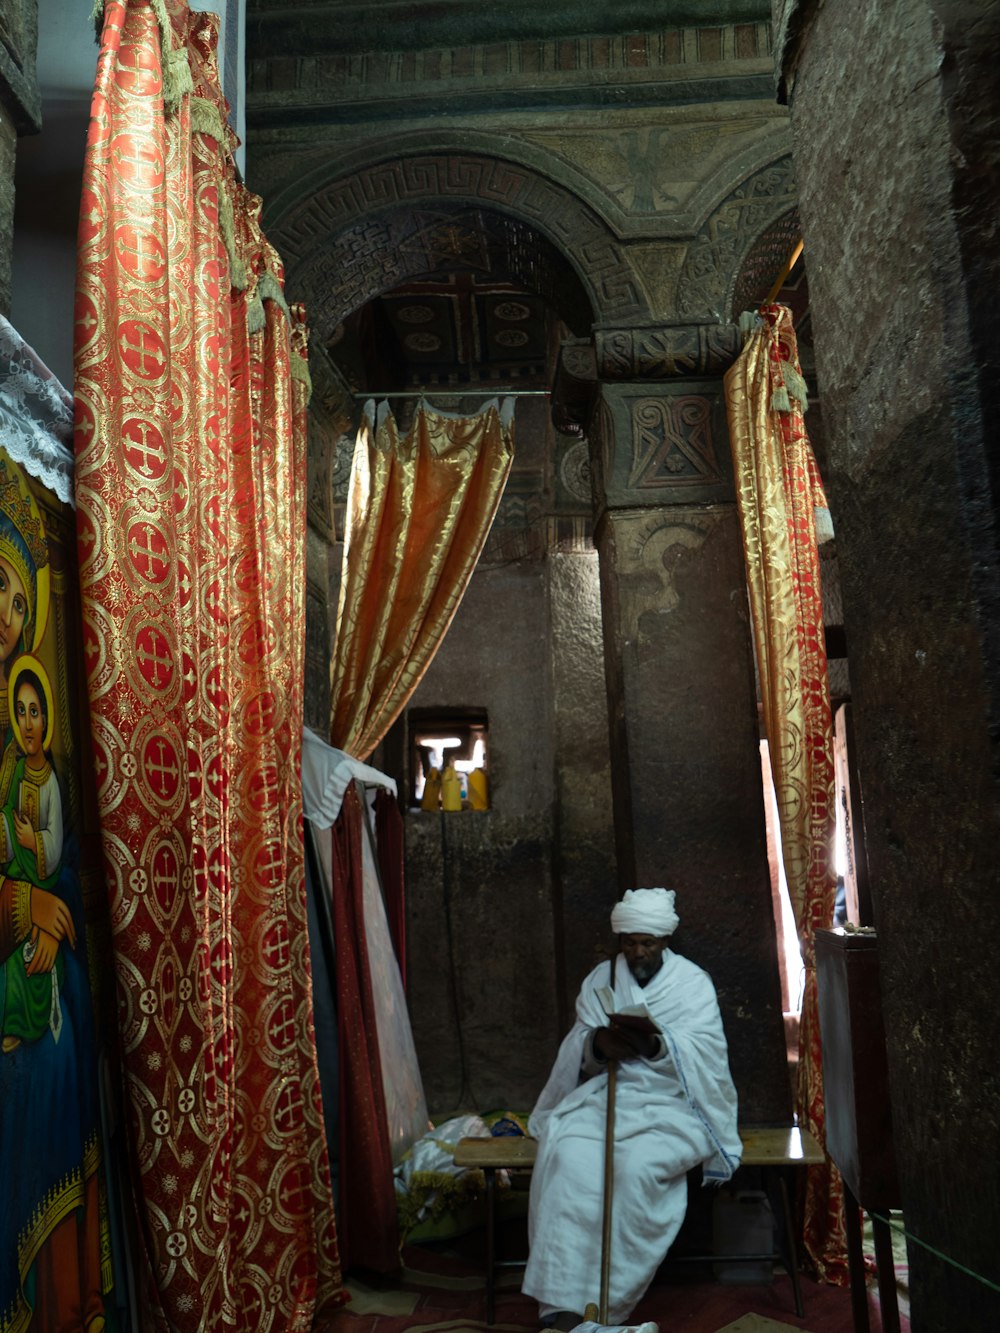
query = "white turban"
{"x": 645, "y": 912}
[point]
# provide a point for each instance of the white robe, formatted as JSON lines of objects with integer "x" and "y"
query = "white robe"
{"x": 671, "y": 1114}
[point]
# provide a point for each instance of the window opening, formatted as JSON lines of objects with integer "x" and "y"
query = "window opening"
{"x": 443, "y": 739}
{"x": 793, "y": 972}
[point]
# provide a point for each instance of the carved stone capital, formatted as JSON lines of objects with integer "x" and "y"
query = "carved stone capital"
{"x": 574, "y": 389}
{"x": 666, "y": 352}
{"x": 667, "y": 445}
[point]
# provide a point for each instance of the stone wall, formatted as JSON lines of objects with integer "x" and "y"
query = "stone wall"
{"x": 20, "y": 113}
{"x": 507, "y": 909}
{"x": 895, "y": 130}
{"x": 481, "y": 932}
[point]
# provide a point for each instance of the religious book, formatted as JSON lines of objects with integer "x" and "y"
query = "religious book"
{"x": 633, "y": 1018}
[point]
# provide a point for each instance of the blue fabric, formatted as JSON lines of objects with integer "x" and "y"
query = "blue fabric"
{"x": 48, "y": 1107}
{"x": 506, "y": 1128}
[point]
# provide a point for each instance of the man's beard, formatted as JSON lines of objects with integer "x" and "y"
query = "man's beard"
{"x": 646, "y": 969}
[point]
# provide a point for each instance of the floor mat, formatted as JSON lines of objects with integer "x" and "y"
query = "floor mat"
{"x": 443, "y": 1291}
{"x": 371, "y": 1300}
{"x": 756, "y": 1323}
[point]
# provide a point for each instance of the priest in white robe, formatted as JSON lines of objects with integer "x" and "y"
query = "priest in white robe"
{"x": 675, "y": 1108}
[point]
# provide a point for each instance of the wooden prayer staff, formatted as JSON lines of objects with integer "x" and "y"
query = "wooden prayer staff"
{"x": 785, "y": 273}
{"x": 609, "y": 1190}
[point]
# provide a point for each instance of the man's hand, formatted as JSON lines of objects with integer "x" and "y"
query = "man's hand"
{"x": 44, "y": 957}
{"x": 50, "y": 913}
{"x": 622, "y": 1044}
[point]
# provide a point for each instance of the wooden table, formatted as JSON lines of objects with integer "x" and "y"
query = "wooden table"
{"x": 775, "y": 1151}
{"x": 503, "y": 1153}
{"x": 778, "y": 1152}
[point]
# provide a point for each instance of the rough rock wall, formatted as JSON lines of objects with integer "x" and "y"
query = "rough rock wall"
{"x": 898, "y": 174}
{"x": 481, "y": 950}
{"x": 20, "y": 113}
{"x": 586, "y": 885}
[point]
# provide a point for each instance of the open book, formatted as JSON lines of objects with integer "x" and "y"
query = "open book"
{"x": 633, "y": 1018}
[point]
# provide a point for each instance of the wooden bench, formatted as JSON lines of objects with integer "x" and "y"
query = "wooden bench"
{"x": 775, "y": 1151}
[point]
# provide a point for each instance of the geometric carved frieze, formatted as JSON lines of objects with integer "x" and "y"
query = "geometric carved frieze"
{"x": 519, "y": 530}
{"x": 295, "y": 64}
{"x": 672, "y": 351}
{"x": 667, "y": 351}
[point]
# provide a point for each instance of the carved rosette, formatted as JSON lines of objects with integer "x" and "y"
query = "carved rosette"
{"x": 668, "y": 352}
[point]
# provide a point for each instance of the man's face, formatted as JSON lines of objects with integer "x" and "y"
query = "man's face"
{"x": 644, "y": 954}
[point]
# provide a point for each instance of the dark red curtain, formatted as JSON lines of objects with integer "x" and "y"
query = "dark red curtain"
{"x": 367, "y": 1226}
{"x": 389, "y": 840}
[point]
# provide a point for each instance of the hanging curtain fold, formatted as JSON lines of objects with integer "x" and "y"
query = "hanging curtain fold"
{"x": 389, "y": 843}
{"x": 419, "y": 513}
{"x": 779, "y": 493}
{"x": 381, "y": 1108}
{"x": 191, "y": 384}
{"x": 368, "y": 1228}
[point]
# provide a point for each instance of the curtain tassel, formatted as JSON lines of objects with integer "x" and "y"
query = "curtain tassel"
{"x": 794, "y": 387}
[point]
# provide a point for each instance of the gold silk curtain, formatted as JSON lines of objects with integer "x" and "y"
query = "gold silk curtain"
{"x": 191, "y": 388}
{"x": 778, "y": 493}
{"x": 419, "y": 513}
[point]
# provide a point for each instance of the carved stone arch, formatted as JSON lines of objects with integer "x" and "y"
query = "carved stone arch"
{"x": 717, "y": 187}
{"x": 716, "y": 256}
{"x": 298, "y": 179}
{"x": 358, "y": 207}
{"x": 763, "y": 262}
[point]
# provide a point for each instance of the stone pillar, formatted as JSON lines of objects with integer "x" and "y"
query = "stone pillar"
{"x": 20, "y": 113}
{"x": 688, "y": 801}
{"x": 895, "y": 119}
{"x": 583, "y": 856}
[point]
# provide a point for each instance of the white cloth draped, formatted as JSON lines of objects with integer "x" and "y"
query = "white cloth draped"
{"x": 326, "y": 775}
{"x": 36, "y": 415}
{"x": 671, "y": 1114}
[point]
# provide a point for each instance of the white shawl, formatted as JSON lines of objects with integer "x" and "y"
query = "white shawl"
{"x": 682, "y": 1002}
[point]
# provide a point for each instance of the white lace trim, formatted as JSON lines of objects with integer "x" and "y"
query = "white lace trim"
{"x": 36, "y": 415}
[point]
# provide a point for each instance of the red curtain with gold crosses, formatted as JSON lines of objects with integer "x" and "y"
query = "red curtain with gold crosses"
{"x": 191, "y": 385}
{"x": 778, "y": 491}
